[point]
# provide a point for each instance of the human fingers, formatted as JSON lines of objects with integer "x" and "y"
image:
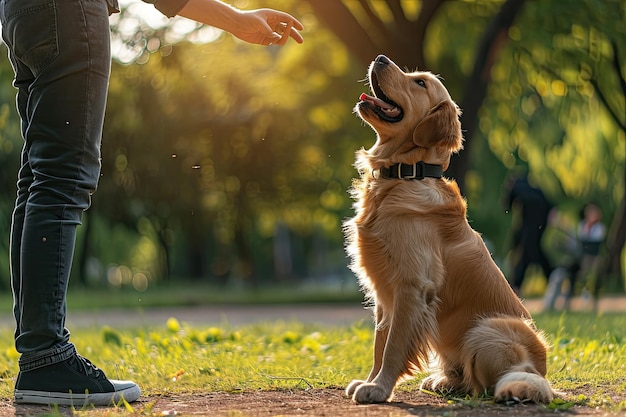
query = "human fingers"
{"x": 285, "y": 33}
{"x": 269, "y": 35}
{"x": 286, "y": 17}
{"x": 284, "y": 25}
{"x": 295, "y": 35}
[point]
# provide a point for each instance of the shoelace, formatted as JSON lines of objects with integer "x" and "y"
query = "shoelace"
{"x": 87, "y": 367}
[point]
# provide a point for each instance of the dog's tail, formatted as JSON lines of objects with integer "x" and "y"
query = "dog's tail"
{"x": 508, "y": 355}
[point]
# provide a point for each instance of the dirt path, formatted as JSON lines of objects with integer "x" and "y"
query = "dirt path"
{"x": 316, "y": 402}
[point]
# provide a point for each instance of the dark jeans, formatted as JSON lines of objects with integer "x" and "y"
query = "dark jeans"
{"x": 60, "y": 52}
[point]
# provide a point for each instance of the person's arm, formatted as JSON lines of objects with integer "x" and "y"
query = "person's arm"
{"x": 260, "y": 26}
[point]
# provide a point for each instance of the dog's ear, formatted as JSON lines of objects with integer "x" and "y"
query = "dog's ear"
{"x": 440, "y": 127}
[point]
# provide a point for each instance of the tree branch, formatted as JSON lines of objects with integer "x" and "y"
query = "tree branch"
{"x": 342, "y": 23}
{"x": 376, "y": 21}
{"x": 426, "y": 14}
{"x": 607, "y": 105}
{"x": 618, "y": 68}
{"x": 398, "y": 15}
{"x": 622, "y": 82}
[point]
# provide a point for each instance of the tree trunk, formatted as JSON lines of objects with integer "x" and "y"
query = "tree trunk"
{"x": 615, "y": 244}
{"x": 492, "y": 42}
{"x": 164, "y": 252}
{"x": 402, "y": 40}
{"x": 245, "y": 263}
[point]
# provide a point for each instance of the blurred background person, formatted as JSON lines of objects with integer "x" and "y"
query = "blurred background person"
{"x": 583, "y": 246}
{"x": 534, "y": 209}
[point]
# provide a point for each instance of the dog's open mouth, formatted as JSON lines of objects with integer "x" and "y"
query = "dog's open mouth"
{"x": 382, "y": 105}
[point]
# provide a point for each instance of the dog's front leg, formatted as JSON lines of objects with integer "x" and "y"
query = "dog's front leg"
{"x": 411, "y": 328}
{"x": 380, "y": 338}
{"x": 379, "y": 388}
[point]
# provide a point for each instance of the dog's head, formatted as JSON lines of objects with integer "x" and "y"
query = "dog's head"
{"x": 411, "y": 113}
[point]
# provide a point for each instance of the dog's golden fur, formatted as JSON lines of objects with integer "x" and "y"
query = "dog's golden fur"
{"x": 433, "y": 284}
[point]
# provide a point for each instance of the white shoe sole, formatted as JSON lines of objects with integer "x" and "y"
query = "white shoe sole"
{"x": 77, "y": 400}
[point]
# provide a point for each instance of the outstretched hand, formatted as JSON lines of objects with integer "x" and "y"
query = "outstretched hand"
{"x": 260, "y": 26}
{"x": 267, "y": 27}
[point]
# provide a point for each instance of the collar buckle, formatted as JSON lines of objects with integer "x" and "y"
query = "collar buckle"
{"x": 413, "y": 175}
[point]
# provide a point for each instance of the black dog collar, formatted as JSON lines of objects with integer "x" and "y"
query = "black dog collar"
{"x": 401, "y": 171}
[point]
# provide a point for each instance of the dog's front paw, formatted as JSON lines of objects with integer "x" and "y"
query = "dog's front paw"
{"x": 370, "y": 393}
{"x": 353, "y": 386}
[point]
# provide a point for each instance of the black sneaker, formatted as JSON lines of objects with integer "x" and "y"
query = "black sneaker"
{"x": 76, "y": 382}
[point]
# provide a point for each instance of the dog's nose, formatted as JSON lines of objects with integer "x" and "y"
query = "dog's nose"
{"x": 382, "y": 59}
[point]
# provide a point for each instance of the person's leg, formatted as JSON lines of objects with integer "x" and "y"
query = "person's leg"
{"x": 519, "y": 271}
{"x": 60, "y": 52}
{"x": 544, "y": 262}
{"x": 572, "y": 274}
{"x": 596, "y": 270}
{"x": 553, "y": 289}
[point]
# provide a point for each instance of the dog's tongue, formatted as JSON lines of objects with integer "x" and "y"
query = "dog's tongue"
{"x": 389, "y": 109}
{"x": 376, "y": 101}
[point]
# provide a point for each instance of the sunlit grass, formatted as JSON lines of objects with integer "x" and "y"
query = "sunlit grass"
{"x": 588, "y": 355}
{"x": 587, "y": 361}
{"x": 177, "y": 358}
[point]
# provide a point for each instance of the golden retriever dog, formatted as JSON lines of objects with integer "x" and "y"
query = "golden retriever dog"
{"x": 436, "y": 292}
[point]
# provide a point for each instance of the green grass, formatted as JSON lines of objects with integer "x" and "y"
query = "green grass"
{"x": 587, "y": 360}
{"x": 588, "y": 354}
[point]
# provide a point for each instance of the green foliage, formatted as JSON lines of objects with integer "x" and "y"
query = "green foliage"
{"x": 544, "y": 115}
{"x": 452, "y": 39}
{"x": 559, "y": 126}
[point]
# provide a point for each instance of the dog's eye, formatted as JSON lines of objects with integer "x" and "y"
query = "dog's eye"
{"x": 420, "y": 82}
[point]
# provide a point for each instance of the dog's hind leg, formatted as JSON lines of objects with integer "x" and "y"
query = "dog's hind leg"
{"x": 505, "y": 354}
{"x": 380, "y": 338}
{"x": 446, "y": 378}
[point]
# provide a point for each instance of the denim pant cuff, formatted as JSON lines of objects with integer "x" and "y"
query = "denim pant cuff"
{"x": 31, "y": 361}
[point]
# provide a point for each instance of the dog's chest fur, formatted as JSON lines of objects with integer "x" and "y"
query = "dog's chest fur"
{"x": 391, "y": 236}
